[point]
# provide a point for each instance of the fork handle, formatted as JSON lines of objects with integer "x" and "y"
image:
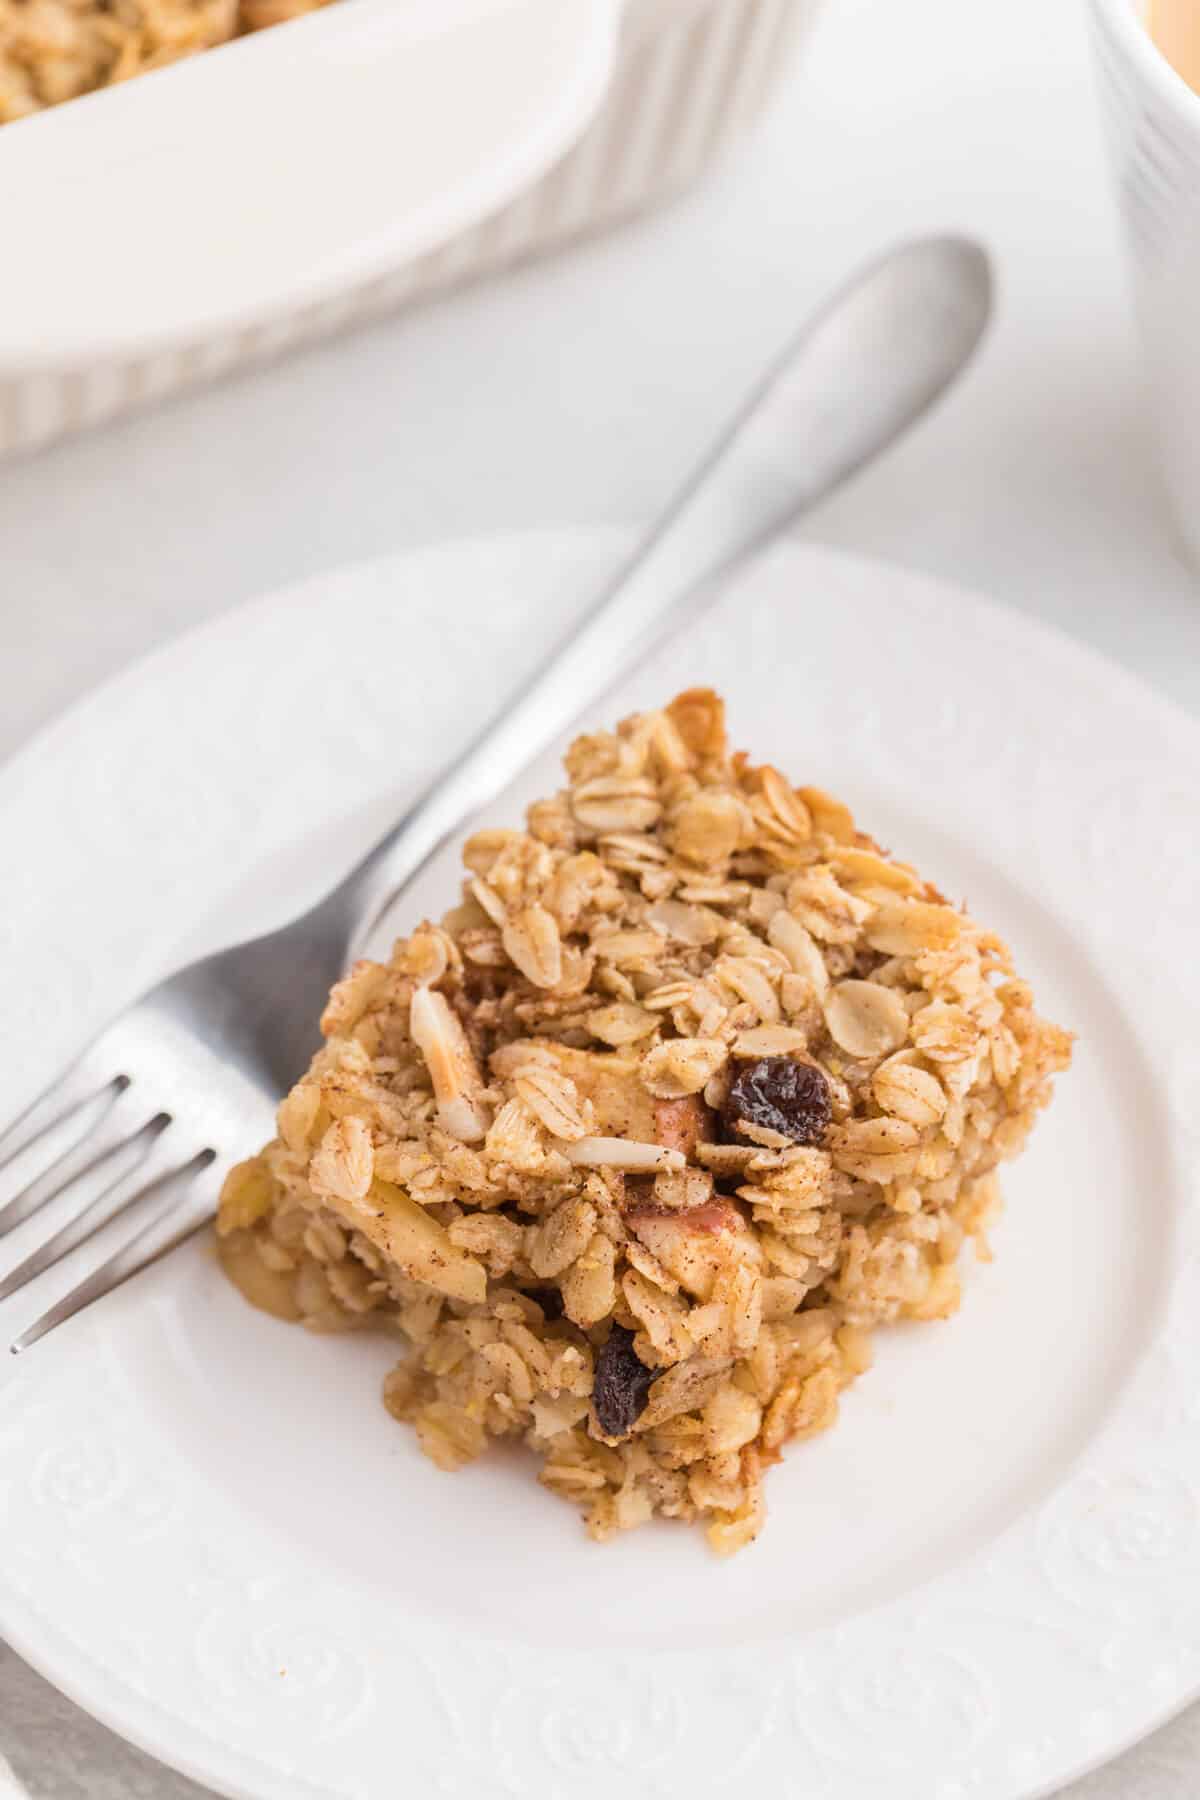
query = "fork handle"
{"x": 852, "y": 380}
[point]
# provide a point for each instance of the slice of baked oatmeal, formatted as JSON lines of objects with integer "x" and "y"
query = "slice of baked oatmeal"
{"x": 694, "y": 1086}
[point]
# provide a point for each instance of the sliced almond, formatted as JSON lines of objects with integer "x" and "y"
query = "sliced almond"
{"x": 622, "y": 1153}
{"x": 457, "y": 1084}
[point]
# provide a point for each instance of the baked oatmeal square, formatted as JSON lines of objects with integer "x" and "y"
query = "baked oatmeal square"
{"x": 694, "y": 1086}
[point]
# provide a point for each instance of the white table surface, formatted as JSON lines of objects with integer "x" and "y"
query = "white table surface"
{"x": 577, "y": 391}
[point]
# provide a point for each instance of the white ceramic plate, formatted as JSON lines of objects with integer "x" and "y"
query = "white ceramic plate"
{"x": 984, "y": 1580}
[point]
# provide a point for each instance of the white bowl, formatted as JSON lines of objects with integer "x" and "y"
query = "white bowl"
{"x": 177, "y": 227}
{"x": 1154, "y": 124}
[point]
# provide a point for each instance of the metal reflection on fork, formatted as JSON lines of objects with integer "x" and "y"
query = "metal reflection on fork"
{"x": 143, "y": 1127}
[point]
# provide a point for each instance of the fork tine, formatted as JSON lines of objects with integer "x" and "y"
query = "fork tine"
{"x": 117, "y": 1127}
{"x": 146, "y": 1246}
{"x": 55, "y": 1107}
{"x": 126, "y": 1188}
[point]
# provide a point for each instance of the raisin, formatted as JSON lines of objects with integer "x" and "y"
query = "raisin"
{"x": 621, "y": 1386}
{"x": 789, "y": 1097}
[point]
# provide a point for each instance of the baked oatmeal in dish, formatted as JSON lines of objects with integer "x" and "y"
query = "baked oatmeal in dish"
{"x": 694, "y": 1086}
{"x": 54, "y": 50}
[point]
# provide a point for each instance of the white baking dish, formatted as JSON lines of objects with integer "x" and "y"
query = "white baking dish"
{"x": 175, "y": 228}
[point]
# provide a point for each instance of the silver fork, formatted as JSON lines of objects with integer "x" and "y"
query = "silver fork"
{"x": 142, "y": 1128}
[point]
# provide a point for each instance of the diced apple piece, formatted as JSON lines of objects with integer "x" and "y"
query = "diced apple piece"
{"x": 696, "y": 1242}
{"x": 415, "y": 1242}
{"x": 681, "y": 1124}
{"x": 609, "y": 1080}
